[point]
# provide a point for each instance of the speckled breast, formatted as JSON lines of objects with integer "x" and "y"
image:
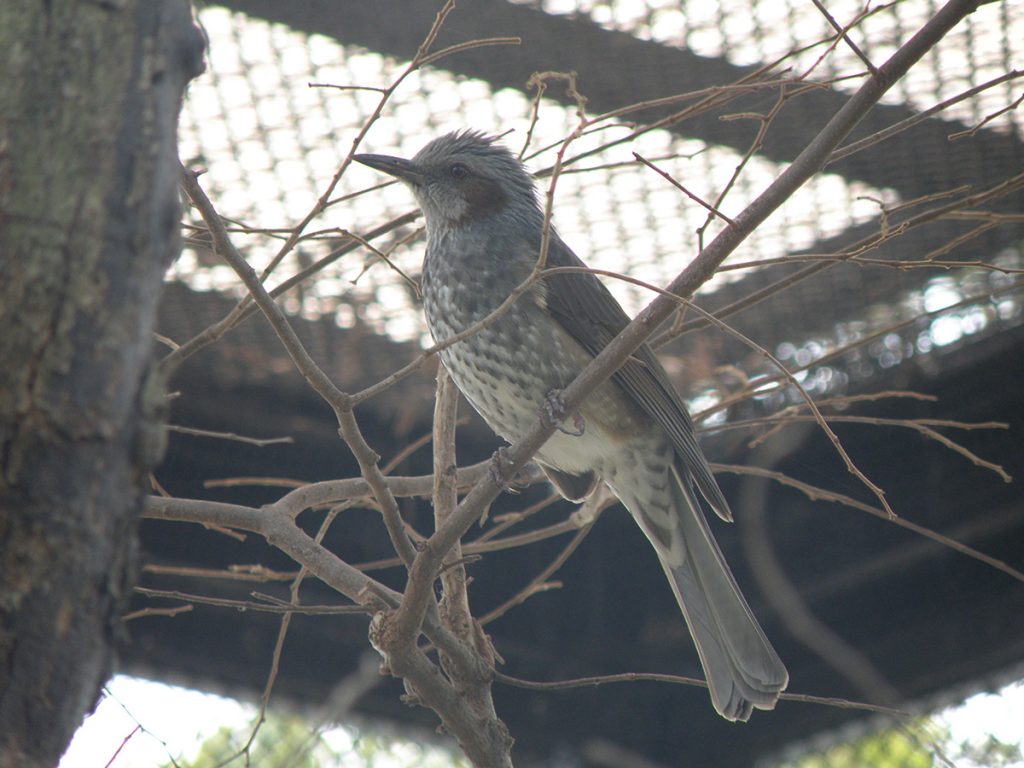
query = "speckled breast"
{"x": 507, "y": 368}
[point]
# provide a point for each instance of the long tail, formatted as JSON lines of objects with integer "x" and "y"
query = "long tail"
{"x": 742, "y": 668}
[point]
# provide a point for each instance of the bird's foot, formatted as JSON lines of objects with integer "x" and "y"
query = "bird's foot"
{"x": 501, "y": 472}
{"x": 554, "y": 414}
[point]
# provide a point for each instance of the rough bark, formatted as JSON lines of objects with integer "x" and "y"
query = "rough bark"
{"x": 88, "y": 222}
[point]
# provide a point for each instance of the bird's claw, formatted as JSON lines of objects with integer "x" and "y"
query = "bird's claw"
{"x": 553, "y": 412}
{"x": 499, "y": 470}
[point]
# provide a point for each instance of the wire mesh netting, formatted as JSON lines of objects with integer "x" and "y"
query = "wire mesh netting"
{"x": 271, "y": 140}
{"x": 271, "y": 143}
{"x": 277, "y": 112}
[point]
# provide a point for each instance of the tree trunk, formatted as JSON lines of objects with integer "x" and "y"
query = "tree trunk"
{"x": 89, "y": 212}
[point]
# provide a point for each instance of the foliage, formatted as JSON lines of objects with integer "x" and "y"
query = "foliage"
{"x": 287, "y": 741}
{"x": 922, "y": 744}
{"x": 283, "y": 741}
{"x": 990, "y": 752}
{"x": 890, "y": 748}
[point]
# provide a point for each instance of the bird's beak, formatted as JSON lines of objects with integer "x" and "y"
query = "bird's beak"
{"x": 399, "y": 167}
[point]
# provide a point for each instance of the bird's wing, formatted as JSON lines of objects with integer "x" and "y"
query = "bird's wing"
{"x": 585, "y": 308}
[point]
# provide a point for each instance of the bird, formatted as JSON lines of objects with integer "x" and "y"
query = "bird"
{"x": 484, "y": 227}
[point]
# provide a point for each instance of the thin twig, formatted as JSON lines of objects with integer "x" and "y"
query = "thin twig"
{"x": 863, "y": 340}
{"x": 373, "y": 88}
{"x": 843, "y": 33}
{"x": 251, "y": 605}
{"x": 923, "y": 426}
{"x": 259, "y": 573}
{"x": 469, "y": 45}
{"x": 909, "y": 122}
{"x": 671, "y": 180}
{"x": 820, "y": 494}
{"x": 633, "y": 677}
{"x": 386, "y": 259}
{"x": 541, "y": 582}
{"x": 411, "y": 448}
{"x": 257, "y": 441}
{"x": 970, "y": 132}
{"x": 267, "y": 482}
{"x": 862, "y": 246}
{"x": 144, "y": 612}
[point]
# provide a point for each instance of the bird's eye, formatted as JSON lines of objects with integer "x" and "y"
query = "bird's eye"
{"x": 458, "y": 171}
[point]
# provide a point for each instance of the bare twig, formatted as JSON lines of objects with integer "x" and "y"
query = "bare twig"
{"x": 267, "y": 482}
{"x": 855, "y": 250}
{"x": 483, "y": 545}
{"x": 925, "y": 427}
{"x": 124, "y": 742}
{"x": 843, "y": 33}
{"x": 632, "y": 677}
{"x": 764, "y": 121}
{"x": 373, "y": 88}
{"x": 458, "y": 47}
{"x": 867, "y": 339}
{"x": 144, "y": 612}
{"x": 541, "y": 582}
{"x": 671, "y": 180}
{"x": 259, "y": 573}
{"x": 507, "y": 520}
{"x": 257, "y": 441}
{"x": 410, "y": 448}
{"x": 251, "y": 605}
{"x": 909, "y": 122}
{"x": 386, "y": 259}
{"x": 820, "y": 494}
{"x": 285, "y": 625}
{"x": 246, "y": 309}
{"x": 987, "y": 119}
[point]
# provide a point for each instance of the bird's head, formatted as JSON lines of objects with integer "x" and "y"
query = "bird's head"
{"x": 462, "y": 178}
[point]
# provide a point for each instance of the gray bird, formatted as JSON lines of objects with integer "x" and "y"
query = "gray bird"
{"x": 484, "y": 227}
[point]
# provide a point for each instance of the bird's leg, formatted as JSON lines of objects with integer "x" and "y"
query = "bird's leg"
{"x": 553, "y": 413}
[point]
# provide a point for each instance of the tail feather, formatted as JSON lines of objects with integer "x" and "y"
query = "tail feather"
{"x": 743, "y": 671}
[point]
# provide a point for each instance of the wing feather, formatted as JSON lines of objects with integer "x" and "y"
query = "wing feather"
{"x": 585, "y": 308}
